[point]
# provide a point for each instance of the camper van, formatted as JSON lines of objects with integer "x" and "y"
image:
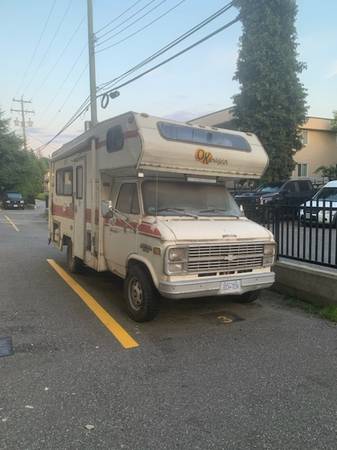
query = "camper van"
{"x": 146, "y": 199}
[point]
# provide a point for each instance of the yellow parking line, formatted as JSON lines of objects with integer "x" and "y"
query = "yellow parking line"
{"x": 10, "y": 221}
{"x": 112, "y": 325}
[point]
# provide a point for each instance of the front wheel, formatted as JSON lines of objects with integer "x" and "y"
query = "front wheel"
{"x": 141, "y": 297}
{"x": 248, "y": 297}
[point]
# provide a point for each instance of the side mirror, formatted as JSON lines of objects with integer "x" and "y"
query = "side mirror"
{"x": 107, "y": 209}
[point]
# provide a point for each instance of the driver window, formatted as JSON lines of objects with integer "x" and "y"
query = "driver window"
{"x": 128, "y": 199}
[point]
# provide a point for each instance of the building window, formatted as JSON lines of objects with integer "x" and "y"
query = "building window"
{"x": 64, "y": 182}
{"x": 302, "y": 170}
{"x": 305, "y": 137}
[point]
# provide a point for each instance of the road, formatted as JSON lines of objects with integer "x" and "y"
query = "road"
{"x": 265, "y": 380}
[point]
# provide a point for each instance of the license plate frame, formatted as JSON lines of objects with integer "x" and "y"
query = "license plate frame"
{"x": 230, "y": 286}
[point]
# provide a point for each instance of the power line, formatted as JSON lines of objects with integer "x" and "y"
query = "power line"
{"x": 50, "y": 45}
{"x": 60, "y": 56}
{"x": 37, "y": 45}
{"x": 141, "y": 29}
{"x": 130, "y": 25}
{"x": 171, "y": 44}
{"x": 118, "y": 17}
{"x": 190, "y": 47}
{"x": 58, "y": 90}
{"x": 68, "y": 96}
{"x": 86, "y": 103}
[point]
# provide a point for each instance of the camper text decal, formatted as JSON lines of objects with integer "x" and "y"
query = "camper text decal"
{"x": 208, "y": 158}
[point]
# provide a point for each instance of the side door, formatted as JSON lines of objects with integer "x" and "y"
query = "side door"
{"x": 79, "y": 209}
{"x": 120, "y": 236}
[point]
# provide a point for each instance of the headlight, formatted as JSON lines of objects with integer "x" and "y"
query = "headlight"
{"x": 176, "y": 260}
{"x": 269, "y": 252}
{"x": 177, "y": 254}
{"x": 8, "y": 201}
{"x": 269, "y": 249}
{"x": 22, "y": 201}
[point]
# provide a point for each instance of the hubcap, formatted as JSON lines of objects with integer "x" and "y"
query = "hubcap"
{"x": 135, "y": 294}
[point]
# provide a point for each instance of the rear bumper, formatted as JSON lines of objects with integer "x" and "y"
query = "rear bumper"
{"x": 205, "y": 288}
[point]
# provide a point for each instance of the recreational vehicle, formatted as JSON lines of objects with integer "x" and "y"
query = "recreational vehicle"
{"x": 146, "y": 199}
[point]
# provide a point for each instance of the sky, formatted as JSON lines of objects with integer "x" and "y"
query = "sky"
{"x": 45, "y": 60}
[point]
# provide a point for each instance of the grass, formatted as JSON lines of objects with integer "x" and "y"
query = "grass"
{"x": 326, "y": 312}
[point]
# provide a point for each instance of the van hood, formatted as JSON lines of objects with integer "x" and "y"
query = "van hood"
{"x": 213, "y": 229}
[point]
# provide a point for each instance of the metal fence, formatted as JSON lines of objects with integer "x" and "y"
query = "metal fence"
{"x": 304, "y": 233}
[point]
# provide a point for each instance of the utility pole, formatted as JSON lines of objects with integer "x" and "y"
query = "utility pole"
{"x": 94, "y": 248}
{"x": 92, "y": 64}
{"x": 23, "y": 111}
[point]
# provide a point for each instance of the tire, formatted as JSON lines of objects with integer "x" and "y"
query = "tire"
{"x": 141, "y": 297}
{"x": 248, "y": 297}
{"x": 75, "y": 265}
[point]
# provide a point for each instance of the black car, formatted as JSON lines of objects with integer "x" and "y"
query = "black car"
{"x": 13, "y": 200}
{"x": 289, "y": 192}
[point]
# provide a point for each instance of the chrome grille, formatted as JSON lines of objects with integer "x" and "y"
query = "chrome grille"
{"x": 225, "y": 258}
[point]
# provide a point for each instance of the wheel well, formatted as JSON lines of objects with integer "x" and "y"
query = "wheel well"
{"x": 66, "y": 240}
{"x": 136, "y": 262}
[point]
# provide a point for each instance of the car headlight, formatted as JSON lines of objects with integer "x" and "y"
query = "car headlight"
{"x": 22, "y": 201}
{"x": 176, "y": 260}
{"x": 8, "y": 201}
{"x": 177, "y": 254}
{"x": 269, "y": 253}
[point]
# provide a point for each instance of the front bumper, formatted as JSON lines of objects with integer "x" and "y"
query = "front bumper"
{"x": 208, "y": 288}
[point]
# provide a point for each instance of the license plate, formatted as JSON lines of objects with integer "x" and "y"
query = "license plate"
{"x": 230, "y": 286}
{"x": 15, "y": 206}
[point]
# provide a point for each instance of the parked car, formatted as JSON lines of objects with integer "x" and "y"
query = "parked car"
{"x": 289, "y": 192}
{"x": 322, "y": 208}
{"x": 13, "y": 200}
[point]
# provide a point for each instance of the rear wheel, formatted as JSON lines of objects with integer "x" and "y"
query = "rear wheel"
{"x": 248, "y": 297}
{"x": 75, "y": 265}
{"x": 141, "y": 297}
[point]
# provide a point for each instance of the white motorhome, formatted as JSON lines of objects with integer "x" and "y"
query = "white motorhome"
{"x": 148, "y": 202}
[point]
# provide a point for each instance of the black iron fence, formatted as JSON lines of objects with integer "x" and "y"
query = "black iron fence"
{"x": 304, "y": 233}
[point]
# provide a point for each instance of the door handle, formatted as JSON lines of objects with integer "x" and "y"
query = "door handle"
{"x": 115, "y": 230}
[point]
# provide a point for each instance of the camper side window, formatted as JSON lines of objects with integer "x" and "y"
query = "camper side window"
{"x": 128, "y": 199}
{"x": 64, "y": 182}
{"x": 114, "y": 139}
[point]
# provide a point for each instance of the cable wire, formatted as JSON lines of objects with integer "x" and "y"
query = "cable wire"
{"x": 118, "y": 17}
{"x": 77, "y": 29}
{"x": 58, "y": 90}
{"x": 49, "y": 45}
{"x": 131, "y": 24}
{"x": 141, "y": 29}
{"x": 190, "y": 47}
{"x": 170, "y": 45}
{"x": 37, "y": 46}
{"x": 86, "y": 103}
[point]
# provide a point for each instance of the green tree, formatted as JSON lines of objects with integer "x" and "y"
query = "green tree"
{"x": 329, "y": 172}
{"x": 334, "y": 122}
{"x": 271, "y": 102}
{"x": 20, "y": 170}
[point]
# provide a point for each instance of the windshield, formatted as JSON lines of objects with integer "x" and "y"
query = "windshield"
{"x": 167, "y": 198}
{"x": 328, "y": 194}
{"x": 13, "y": 196}
{"x": 271, "y": 188}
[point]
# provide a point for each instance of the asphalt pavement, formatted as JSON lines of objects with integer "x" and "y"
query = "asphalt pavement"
{"x": 266, "y": 379}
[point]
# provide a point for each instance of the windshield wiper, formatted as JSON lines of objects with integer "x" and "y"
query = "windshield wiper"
{"x": 215, "y": 210}
{"x": 178, "y": 210}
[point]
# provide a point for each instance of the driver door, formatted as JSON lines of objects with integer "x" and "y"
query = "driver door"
{"x": 120, "y": 235}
